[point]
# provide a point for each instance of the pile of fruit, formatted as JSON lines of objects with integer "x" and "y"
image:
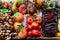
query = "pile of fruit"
{"x": 34, "y": 26}
{"x": 50, "y": 24}
{"x": 6, "y": 28}
{"x": 28, "y": 18}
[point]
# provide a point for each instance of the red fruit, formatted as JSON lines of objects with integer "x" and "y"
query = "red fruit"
{"x": 39, "y": 28}
{"x": 29, "y": 27}
{"x": 36, "y": 33}
{"x": 29, "y": 20}
{"x": 34, "y": 25}
{"x": 22, "y": 9}
{"x": 39, "y": 34}
{"x": 29, "y": 33}
{"x": 50, "y": 15}
{"x": 39, "y": 20}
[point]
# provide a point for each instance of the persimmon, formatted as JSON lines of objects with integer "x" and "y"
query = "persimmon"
{"x": 23, "y": 33}
{"x": 16, "y": 25}
{"x": 5, "y": 4}
{"x": 19, "y": 17}
{"x": 39, "y": 2}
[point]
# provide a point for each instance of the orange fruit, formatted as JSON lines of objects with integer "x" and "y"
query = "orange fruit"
{"x": 39, "y": 2}
{"x": 5, "y": 4}
{"x": 23, "y": 33}
{"x": 19, "y": 17}
{"x": 16, "y": 25}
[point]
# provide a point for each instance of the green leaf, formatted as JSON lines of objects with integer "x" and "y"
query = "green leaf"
{"x": 35, "y": 20}
{"x": 19, "y": 27}
{"x": 16, "y": 14}
{"x": 17, "y": 31}
{"x": 4, "y": 11}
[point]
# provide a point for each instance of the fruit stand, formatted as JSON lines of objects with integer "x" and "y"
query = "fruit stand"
{"x": 29, "y": 19}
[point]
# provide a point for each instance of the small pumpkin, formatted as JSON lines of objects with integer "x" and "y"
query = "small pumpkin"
{"x": 19, "y": 17}
{"x": 22, "y": 33}
{"x": 39, "y": 2}
{"x": 16, "y": 25}
{"x": 5, "y": 4}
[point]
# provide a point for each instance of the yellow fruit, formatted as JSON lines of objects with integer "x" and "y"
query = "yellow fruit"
{"x": 58, "y": 34}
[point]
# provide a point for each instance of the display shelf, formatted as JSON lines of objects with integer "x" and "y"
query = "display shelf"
{"x": 42, "y": 38}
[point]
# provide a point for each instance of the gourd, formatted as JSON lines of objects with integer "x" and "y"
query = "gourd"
{"x": 19, "y": 17}
{"x": 39, "y": 2}
{"x": 5, "y": 5}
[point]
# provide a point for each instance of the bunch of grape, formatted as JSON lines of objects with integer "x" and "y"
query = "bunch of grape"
{"x": 6, "y": 26}
{"x": 50, "y": 24}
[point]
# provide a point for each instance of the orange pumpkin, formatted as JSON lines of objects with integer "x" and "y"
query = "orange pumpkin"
{"x": 5, "y": 4}
{"x": 39, "y": 2}
{"x": 16, "y": 25}
{"x": 19, "y": 17}
{"x": 23, "y": 33}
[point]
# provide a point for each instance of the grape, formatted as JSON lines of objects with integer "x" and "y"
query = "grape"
{"x": 49, "y": 25}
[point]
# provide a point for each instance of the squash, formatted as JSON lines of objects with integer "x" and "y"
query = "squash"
{"x": 39, "y": 2}
{"x": 19, "y": 17}
{"x": 22, "y": 33}
{"x": 15, "y": 26}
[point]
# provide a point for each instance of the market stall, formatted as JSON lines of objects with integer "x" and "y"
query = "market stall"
{"x": 29, "y": 19}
